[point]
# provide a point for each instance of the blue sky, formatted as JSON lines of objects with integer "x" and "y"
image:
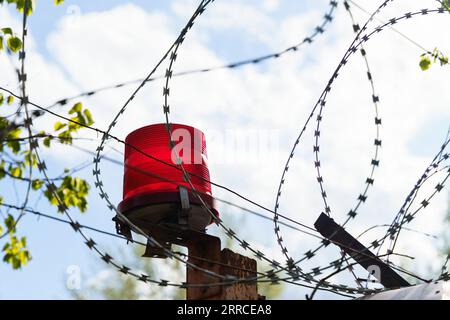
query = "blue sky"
{"x": 85, "y": 44}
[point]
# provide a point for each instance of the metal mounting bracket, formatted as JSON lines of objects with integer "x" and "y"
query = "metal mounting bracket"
{"x": 183, "y": 214}
{"x": 362, "y": 255}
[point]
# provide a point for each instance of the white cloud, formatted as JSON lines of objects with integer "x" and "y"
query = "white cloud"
{"x": 271, "y": 5}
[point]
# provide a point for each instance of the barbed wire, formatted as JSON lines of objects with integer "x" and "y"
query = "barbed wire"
{"x": 96, "y": 172}
{"x": 403, "y": 213}
{"x": 146, "y": 172}
{"x": 379, "y": 226}
{"x": 316, "y": 148}
{"x": 115, "y": 138}
{"x": 309, "y": 39}
{"x": 22, "y": 77}
{"x": 183, "y": 254}
{"x": 407, "y": 38}
{"x": 378, "y": 242}
{"x": 229, "y": 231}
{"x": 89, "y": 242}
{"x": 81, "y": 226}
{"x": 295, "y": 272}
{"x": 353, "y": 49}
{"x": 310, "y": 253}
{"x": 166, "y": 109}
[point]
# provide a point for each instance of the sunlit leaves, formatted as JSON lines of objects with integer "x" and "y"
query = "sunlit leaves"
{"x": 30, "y": 158}
{"x": 22, "y": 4}
{"x": 427, "y": 59}
{"x": 425, "y": 63}
{"x": 13, "y": 140}
{"x": 16, "y": 252}
{"x": 7, "y": 31}
{"x": 2, "y": 174}
{"x": 77, "y": 107}
{"x": 10, "y": 224}
{"x": 82, "y": 117}
{"x": 13, "y": 43}
{"x": 445, "y": 4}
{"x": 47, "y": 142}
{"x": 59, "y": 125}
{"x": 18, "y": 155}
{"x": 12, "y": 136}
{"x": 88, "y": 115}
{"x": 72, "y": 192}
{"x": 37, "y": 184}
{"x": 15, "y": 172}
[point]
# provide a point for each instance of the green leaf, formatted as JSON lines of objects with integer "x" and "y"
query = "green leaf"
{"x": 58, "y": 2}
{"x": 7, "y": 31}
{"x": 14, "y": 146}
{"x": 16, "y": 253}
{"x": 2, "y": 171}
{"x": 10, "y": 100}
{"x": 14, "y": 44}
{"x": 59, "y": 125}
{"x": 2, "y": 99}
{"x": 425, "y": 63}
{"x": 76, "y": 108}
{"x": 37, "y": 184}
{"x": 16, "y": 172}
{"x": 20, "y": 5}
{"x": 1, "y": 43}
{"x": 443, "y": 60}
{"x": 72, "y": 192}
{"x": 30, "y": 158}
{"x": 10, "y": 223}
{"x": 47, "y": 142}
{"x": 446, "y": 4}
{"x": 65, "y": 137}
{"x": 14, "y": 134}
{"x": 90, "y": 120}
{"x": 80, "y": 118}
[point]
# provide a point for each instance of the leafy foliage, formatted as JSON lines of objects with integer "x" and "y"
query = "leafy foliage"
{"x": 13, "y": 43}
{"x": 16, "y": 252}
{"x": 82, "y": 117}
{"x": 72, "y": 192}
{"x": 445, "y": 4}
{"x": 21, "y": 4}
{"x": 427, "y": 59}
{"x": 17, "y": 156}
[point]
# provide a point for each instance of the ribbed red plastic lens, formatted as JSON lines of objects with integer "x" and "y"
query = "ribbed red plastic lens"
{"x": 154, "y": 140}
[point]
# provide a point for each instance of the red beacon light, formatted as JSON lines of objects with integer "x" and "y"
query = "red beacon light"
{"x": 155, "y": 192}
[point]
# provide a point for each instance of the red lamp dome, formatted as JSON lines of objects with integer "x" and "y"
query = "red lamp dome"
{"x": 151, "y": 187}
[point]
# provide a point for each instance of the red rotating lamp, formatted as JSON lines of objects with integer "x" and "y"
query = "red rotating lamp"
{"x": 155, "y": 194}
